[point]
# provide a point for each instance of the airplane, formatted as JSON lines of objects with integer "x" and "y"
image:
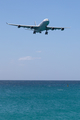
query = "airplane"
{"x": 39, "y": 28}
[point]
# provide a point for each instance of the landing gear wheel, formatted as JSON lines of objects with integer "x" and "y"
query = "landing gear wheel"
{"x": 46, "y": 33}
{"x": 34, "y": 32}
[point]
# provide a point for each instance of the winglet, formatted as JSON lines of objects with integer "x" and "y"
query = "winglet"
{"x": 7, "y": 23}
{"x": 67, "y": 27}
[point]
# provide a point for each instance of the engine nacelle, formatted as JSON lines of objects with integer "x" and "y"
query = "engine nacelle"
{"x": 52, "y": 28}
{"x": 19, "y": 26}
{"x": 62, "y": 29}
{"x": 31, "y": 27}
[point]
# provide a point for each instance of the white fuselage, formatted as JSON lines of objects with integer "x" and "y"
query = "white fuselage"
{"x": 43, "y": 25}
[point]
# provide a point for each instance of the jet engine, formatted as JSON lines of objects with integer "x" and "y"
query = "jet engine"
{"x": 62, "y": 29}
{"x": 19, "y": 26}
{"x": 52, "y": 28}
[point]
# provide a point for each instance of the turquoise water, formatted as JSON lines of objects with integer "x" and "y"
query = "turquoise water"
{"x": 39, "y": 100}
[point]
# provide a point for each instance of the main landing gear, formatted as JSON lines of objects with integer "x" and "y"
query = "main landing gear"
{"x": 34, "y": 32}
{"x": 46, "y": 33}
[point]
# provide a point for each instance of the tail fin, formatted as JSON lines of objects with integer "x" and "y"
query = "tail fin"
{"x": 35, "y": 23}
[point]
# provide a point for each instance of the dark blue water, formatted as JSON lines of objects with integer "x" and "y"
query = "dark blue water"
{"x": 39, "y": 100}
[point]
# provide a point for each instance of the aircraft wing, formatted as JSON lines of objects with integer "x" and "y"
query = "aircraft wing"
{"x": 25, "y": 26}
{"x": 55, "y": 28}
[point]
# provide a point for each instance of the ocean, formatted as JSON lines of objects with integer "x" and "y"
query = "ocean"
{"x": 39, "y": 100}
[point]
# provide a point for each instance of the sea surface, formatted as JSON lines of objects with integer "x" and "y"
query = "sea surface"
{"x": 39, "y": 100}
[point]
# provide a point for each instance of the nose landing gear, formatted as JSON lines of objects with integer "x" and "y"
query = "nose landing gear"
{"x": 34, "y": 32}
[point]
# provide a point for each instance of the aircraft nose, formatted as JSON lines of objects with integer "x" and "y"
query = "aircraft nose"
{"x": 46, "y": 19}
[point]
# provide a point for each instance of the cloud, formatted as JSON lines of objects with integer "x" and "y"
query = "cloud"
{"x": 26, "y": 58}
{"x": 29, "y": 58}
{"x": 38, "y": 51}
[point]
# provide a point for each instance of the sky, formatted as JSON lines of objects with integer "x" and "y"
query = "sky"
{"x": 28, "y": 56}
